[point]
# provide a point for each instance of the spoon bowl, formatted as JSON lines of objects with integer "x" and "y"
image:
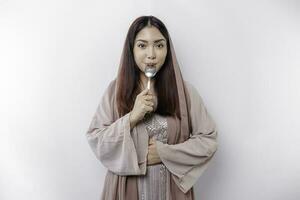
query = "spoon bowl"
{"x": 150, "y": 71}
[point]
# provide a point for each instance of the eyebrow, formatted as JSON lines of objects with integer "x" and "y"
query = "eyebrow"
{"x": 147, "y": 41}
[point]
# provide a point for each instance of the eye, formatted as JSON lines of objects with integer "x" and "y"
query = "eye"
{"x": 160, "y": 45}
{"x": 141, "y": 45}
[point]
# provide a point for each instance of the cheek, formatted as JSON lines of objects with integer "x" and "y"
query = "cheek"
{"x": 139, "y": 60}
{"x": 162, "y": 56}
{"x": 162, "y": 59}
{"x": 137, "y": 56}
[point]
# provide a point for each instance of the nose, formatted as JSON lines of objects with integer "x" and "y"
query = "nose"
{"x": 151, "y": 53}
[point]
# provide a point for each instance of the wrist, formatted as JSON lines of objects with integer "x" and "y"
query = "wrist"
{"x": 132, "y": 120}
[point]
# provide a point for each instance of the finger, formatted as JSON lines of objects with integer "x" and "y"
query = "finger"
{"x": 154, "y": 142}
{"x": 148, "y": 108}
{"x": 145, "y": 91}
{"x": 150, "y": 92}
{"x": 151, "y": 141}
{"x": 150, "y": 150}
{"x": 148, "y": 103}
{"x": 152, "y": 99}
{"x": 148, "y": 97}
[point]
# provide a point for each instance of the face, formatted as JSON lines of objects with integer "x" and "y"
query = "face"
{"x": 150, "y": 46}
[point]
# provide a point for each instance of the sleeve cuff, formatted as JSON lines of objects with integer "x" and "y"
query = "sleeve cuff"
{"x": 162, "y": 151}
{"x": 184, "y": 181}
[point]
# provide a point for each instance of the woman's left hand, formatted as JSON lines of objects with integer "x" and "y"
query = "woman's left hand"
{"x": 152, "y": 157}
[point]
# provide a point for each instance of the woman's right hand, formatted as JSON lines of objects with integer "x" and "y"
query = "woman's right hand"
{"x": 144, "y": 103}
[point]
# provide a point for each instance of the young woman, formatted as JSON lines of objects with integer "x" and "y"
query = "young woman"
{"x": 154, "y": 142}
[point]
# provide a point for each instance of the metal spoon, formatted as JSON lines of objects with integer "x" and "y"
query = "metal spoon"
{"x": 150, "y": 72}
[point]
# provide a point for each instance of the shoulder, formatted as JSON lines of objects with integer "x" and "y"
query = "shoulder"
{"x": 110, "y": 88}
{"x": 193, "y": 93}
{"x": 109, "y": 93}
{"x": 191, "y": 89}
{"x": 189, "y": 86}
{"x": 112, "y": 85}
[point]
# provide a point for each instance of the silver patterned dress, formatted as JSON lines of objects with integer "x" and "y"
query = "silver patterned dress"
{"x": 152, "y": 186}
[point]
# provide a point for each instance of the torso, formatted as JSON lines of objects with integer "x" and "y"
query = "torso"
{"x": 153, "y": 185}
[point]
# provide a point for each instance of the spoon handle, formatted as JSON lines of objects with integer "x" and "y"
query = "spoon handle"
{"x": 148, "y": 85}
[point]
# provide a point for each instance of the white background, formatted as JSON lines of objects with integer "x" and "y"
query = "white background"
{"x": 58, "y": 56}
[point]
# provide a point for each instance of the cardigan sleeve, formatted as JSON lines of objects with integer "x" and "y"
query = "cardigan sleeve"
{"x": 111, "y": 140}
{"x": 188, "y": 160}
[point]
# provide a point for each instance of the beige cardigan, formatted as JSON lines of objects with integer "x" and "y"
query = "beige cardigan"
{"x": 124, "y": 152}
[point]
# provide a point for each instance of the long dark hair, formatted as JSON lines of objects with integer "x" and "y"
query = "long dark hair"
{"x": 165, "y": 83}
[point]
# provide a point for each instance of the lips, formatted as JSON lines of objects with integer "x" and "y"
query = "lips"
{"x": 150, "y": 64}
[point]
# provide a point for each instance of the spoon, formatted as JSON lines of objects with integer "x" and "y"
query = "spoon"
{"x": 150, "y": 72}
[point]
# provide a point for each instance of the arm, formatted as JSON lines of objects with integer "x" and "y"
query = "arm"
{"x": 188, "y": 160}
{"x": 132, "y": 122}
{"x": 111, "y": 140}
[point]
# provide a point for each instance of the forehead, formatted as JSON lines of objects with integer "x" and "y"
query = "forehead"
{"x": 149, "y": 34}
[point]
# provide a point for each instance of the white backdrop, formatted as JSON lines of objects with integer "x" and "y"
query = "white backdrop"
{"x": 58, "y": 56}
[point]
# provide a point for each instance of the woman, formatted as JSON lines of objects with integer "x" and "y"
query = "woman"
{"x": 154, "y": 142}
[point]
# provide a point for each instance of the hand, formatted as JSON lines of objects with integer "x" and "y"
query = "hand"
{"x": 143, "y": 104}
{"x": 152, "y": 157}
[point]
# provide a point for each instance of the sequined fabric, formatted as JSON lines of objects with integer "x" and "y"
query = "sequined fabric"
{"x": 152, "y": 186}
